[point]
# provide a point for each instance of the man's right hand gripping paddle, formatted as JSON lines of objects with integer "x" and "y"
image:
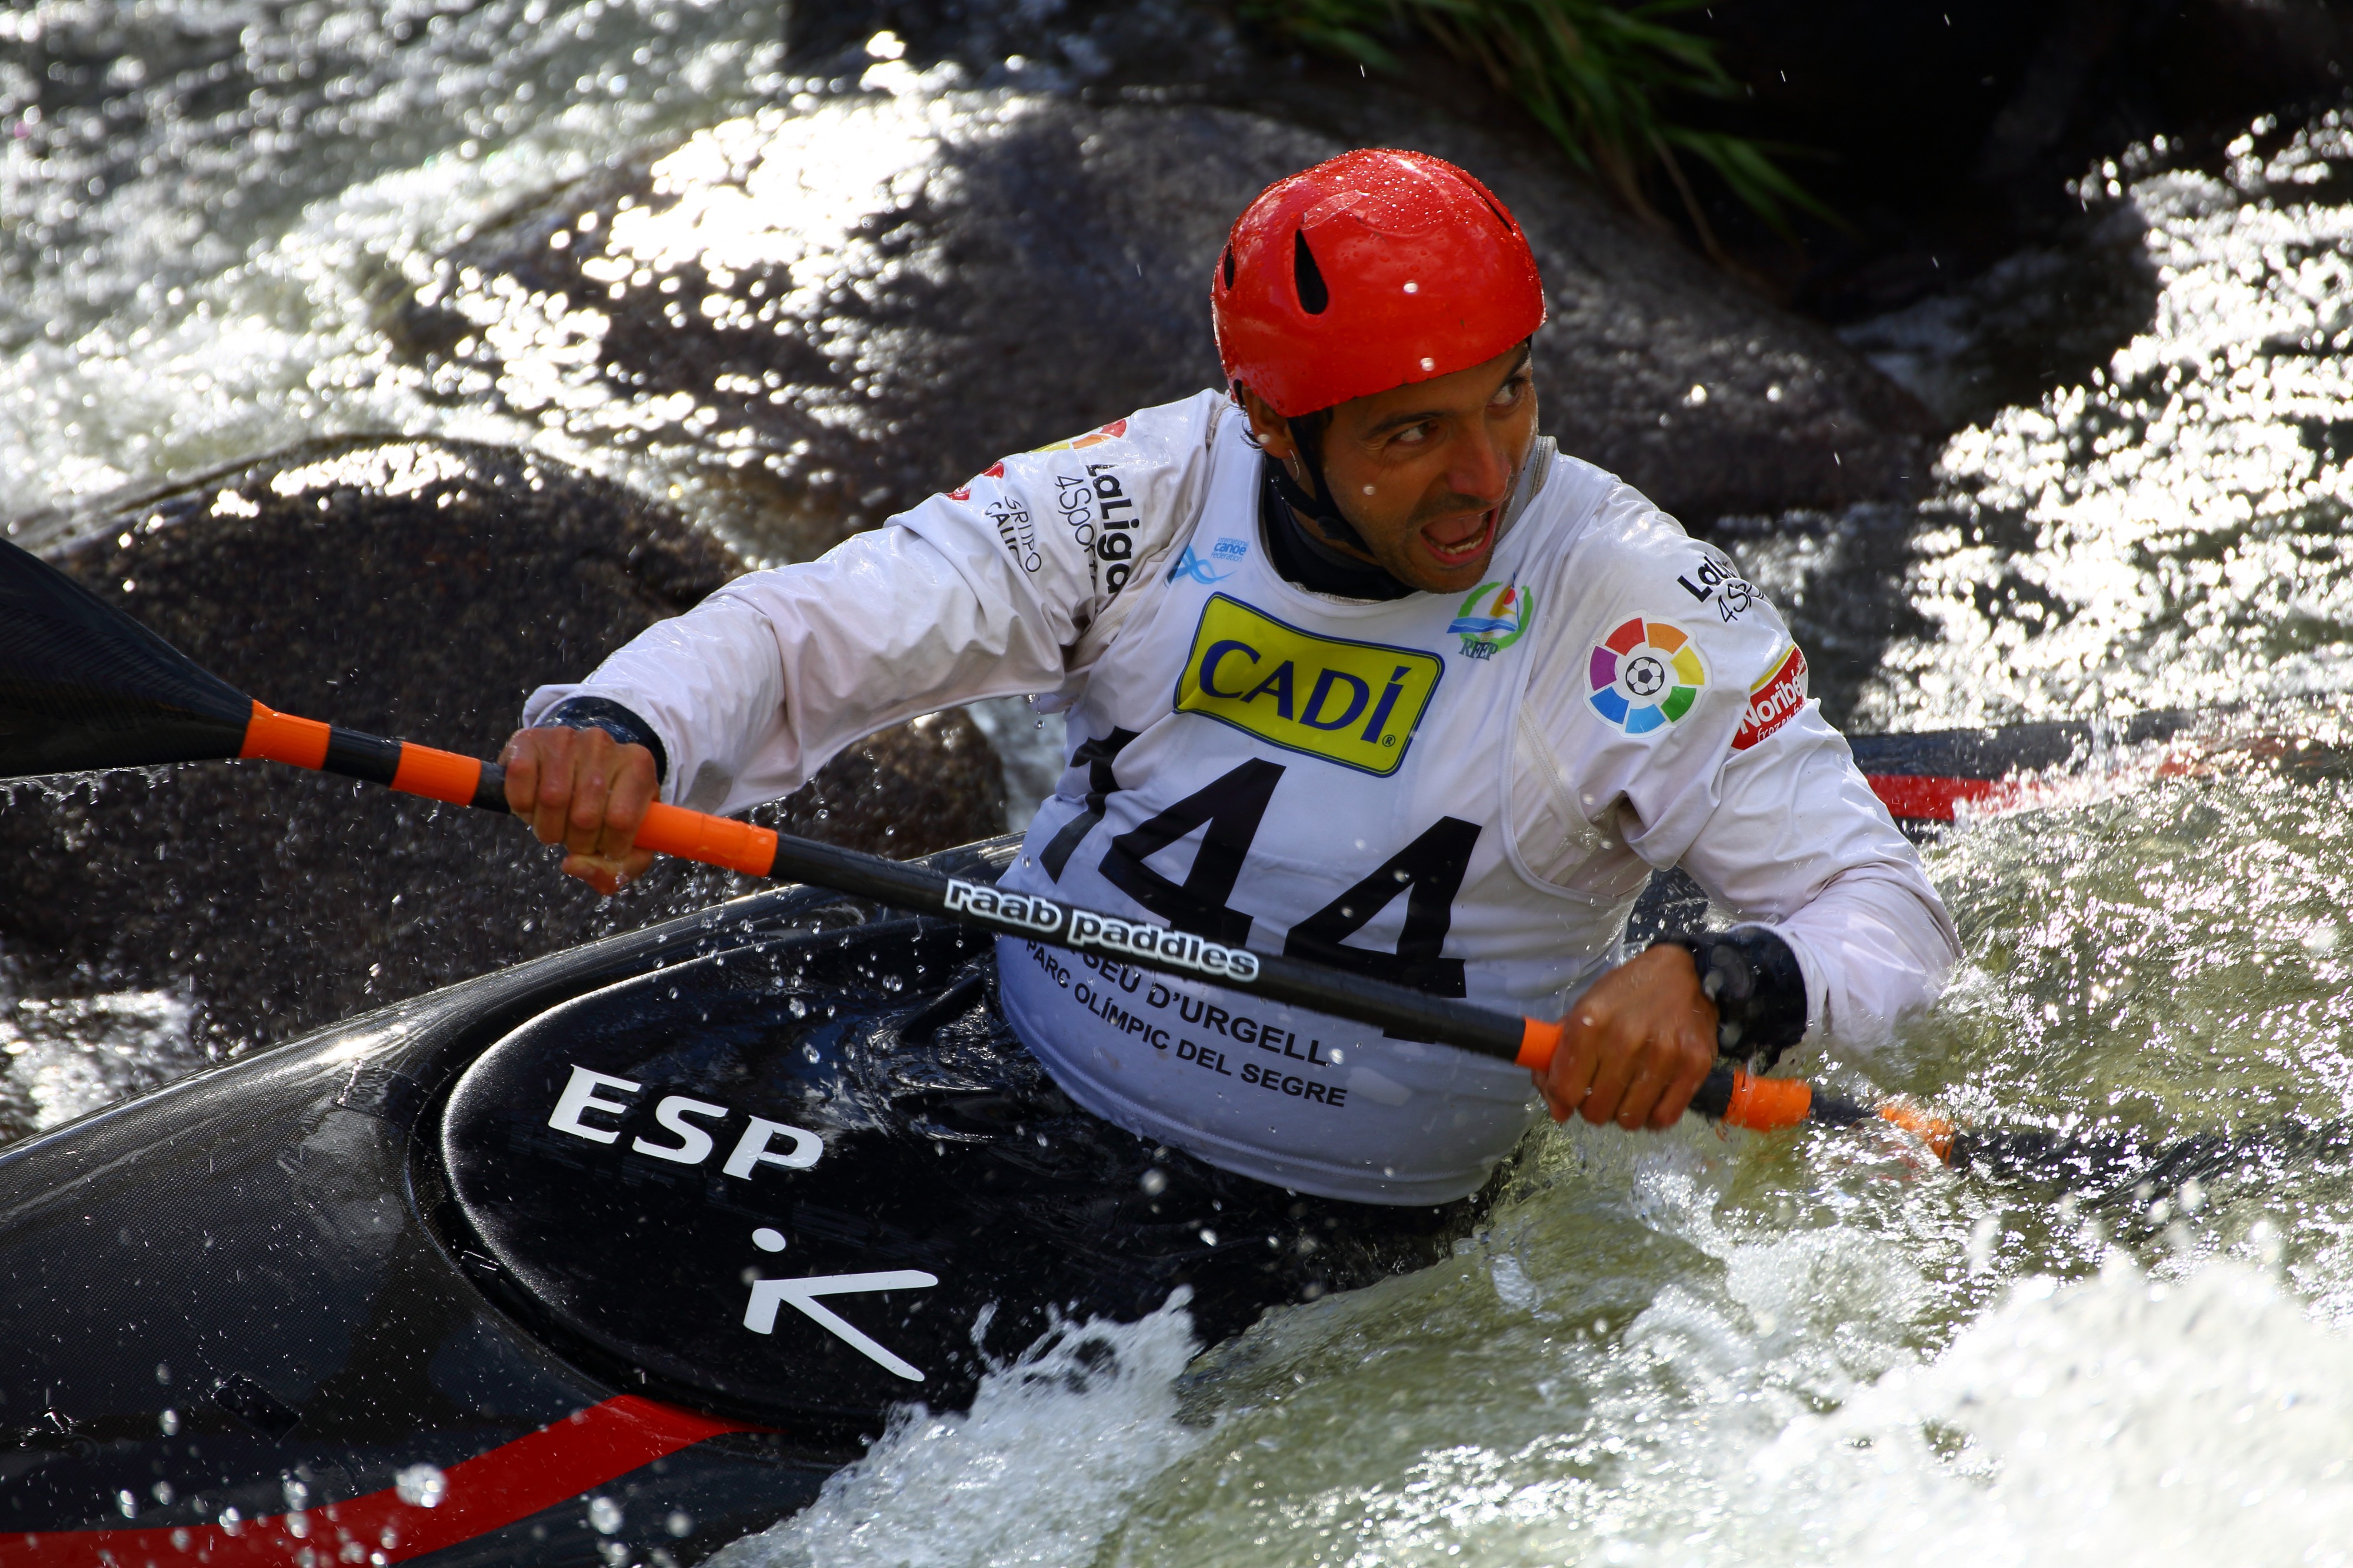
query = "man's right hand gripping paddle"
{"x": 587, "y": 792}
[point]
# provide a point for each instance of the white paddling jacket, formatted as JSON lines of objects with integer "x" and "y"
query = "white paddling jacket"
{"x": 1462, "y": 791}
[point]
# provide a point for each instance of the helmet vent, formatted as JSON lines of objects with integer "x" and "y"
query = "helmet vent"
{"x": 1313, "y": 297}
{"x": 1229, "y": 267}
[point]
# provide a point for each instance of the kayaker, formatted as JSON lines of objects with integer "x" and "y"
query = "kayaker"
{"x": 1357, "y": 666}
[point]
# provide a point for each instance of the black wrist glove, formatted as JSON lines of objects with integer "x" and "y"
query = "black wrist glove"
{"x": 1759, "y": 991}
{"x": 604, "y": 713}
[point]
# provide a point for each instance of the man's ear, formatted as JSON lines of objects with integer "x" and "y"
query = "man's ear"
{"x": 1271, "y": 430}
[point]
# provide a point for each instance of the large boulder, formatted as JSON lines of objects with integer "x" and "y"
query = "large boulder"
{"x": 408, "y": 588}
{"x": 839, "y": 306}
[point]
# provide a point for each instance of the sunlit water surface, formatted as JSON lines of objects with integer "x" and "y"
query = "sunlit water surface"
{"x": 1816, "y": 1347}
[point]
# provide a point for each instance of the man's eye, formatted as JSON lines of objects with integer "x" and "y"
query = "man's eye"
{"x": 1509, "y": 392}
{"x": 1411, "y": 435}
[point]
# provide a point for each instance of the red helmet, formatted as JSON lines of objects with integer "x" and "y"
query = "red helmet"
{"x": 1370, "y": 270}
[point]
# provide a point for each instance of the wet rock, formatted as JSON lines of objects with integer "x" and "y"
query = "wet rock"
{"x": 1951, "y": 137}
{"x": 407, "y": 588}
{"x": 2044, "y": 318}
{"x": 839, "y": 307}
{"x": 923, "y": 785}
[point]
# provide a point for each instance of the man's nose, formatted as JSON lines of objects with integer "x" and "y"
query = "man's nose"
{"x": 1481, "y": 468}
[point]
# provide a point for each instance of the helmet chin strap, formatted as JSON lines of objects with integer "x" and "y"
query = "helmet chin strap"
{"x": 1317, "y": 505}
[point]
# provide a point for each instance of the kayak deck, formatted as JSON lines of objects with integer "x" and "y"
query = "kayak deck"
{"x": 236, "y": 1316}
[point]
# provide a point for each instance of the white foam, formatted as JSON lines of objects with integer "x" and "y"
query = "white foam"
{"x": 2115, "y": 1420}
{"x": 1036, "y": 1472}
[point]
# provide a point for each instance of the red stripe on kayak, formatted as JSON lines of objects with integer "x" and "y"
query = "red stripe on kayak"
{"x": 514, "y": 1481}
{"x": 1922, "y": 798}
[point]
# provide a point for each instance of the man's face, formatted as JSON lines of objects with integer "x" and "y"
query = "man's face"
{"x": 1424, "y": 472}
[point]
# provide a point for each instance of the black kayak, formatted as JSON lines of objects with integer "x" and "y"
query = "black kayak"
{"x": 611, "y": 1256}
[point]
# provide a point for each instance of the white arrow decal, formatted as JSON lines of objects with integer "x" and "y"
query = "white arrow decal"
{"x": 760, "y": 1317}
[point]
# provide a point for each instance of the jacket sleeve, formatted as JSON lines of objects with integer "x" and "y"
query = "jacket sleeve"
{"x": 1798, "y": 842}
{"x": 976, "y": 592}
{"x": 1749, "y": 788}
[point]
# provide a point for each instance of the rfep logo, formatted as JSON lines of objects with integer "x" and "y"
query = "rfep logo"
{"x": 1354, "y": 703}
{"x": 1492, "y": 618}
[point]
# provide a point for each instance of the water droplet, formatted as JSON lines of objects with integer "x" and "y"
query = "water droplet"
{"x": 421, "y": 1485}
{"x": 605, "y": 1514}
{"x": 1982, "y": 1238}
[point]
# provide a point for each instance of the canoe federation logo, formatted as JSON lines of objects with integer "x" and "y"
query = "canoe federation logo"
{"x": 1646, "y": 675}
{"x": 1492, "y": 618}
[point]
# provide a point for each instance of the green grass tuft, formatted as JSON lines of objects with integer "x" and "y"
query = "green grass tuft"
{"x": 1593, "y": 75}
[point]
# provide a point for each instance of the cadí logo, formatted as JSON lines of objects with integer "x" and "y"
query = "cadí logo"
{"x": 1354, "y": 703}
{"x": 1646, "y": 675}
{"x": 1492, "y": 617}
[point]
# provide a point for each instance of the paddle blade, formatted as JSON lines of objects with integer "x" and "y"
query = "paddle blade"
{"x": 83, "y": 686}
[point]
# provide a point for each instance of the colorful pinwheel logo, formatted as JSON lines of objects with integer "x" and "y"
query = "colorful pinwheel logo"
{"x": 1646, "y": 675}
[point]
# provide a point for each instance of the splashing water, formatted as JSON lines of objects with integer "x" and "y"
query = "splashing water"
{"x": 202, "y": 236}
{"x": 62, "y": 1058}
{"x": 1034, "y": 1473}
{"x": 2175, "y": 532}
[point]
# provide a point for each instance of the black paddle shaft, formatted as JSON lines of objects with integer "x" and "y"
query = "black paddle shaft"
{"x": 1402, "y": 1011}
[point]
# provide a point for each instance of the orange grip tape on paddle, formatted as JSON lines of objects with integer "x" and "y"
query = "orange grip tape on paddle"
{"x": 1934, "y": 1131}
{"x": 1539, "y": 1041}
{"x": 282, "y": 738}
{"x": 1764, "y": 1104}
{"x": 713, "y": 840}
{"x": 436, "y": 775}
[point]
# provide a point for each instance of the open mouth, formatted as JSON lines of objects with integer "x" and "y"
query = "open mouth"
{"x": 1467, "y": 549}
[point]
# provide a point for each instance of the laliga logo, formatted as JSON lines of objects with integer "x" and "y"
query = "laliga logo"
{"x": 1646, "y": 675}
